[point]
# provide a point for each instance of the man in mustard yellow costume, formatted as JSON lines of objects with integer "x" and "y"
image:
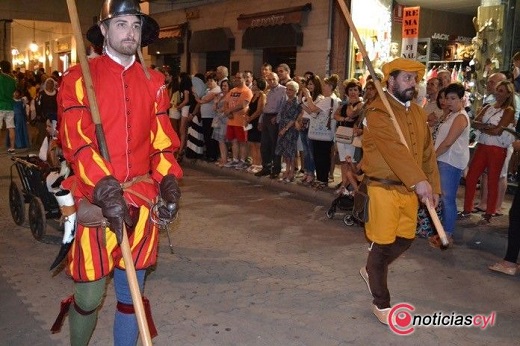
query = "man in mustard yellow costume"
{"x": 399, "y": 176}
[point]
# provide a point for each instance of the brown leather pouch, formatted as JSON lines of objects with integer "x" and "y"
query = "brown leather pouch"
{"x": 361, "y": 200}
{"x": 90, "y": 215}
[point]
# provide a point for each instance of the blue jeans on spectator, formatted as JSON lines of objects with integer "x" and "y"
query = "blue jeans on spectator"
{"x": 450, "y": 180}
{"x": 308, "y": 158}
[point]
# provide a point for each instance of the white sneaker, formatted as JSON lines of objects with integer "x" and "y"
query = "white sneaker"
{"x": 381, "y": 314}
{"x": 231, "y": 164}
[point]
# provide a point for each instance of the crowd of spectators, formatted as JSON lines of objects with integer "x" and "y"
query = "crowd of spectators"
{"x": 285, "y": 128}
{"x": 27, "y": 101}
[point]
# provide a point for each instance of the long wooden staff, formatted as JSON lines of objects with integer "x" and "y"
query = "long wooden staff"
{"x": 377, "y": 83}
{"x": 100, "y": 136}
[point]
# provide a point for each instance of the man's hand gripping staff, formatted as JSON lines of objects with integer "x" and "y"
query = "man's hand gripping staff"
{"x": 108, "y": 195}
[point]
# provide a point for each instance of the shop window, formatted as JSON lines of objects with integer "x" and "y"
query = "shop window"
{"x": 375, "y": 32}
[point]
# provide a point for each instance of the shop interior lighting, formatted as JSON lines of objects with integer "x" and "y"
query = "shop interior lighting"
{"x": 33, "y": 47}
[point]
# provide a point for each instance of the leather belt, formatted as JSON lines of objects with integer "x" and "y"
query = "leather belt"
{"x": 386, "y": 181}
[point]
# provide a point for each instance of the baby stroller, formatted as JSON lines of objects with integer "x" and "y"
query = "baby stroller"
{"x": 345, "y": 202}
{"x": 33, "y": 190}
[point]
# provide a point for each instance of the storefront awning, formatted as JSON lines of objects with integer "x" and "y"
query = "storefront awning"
{"x": 212, "y": 40}
{"x": 285, "y": 35}
{"x": 170, "y": 40}
{"x": 167, "y": 45}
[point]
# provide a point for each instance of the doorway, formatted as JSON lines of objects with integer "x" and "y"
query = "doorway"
{"x": 277, "y": 56}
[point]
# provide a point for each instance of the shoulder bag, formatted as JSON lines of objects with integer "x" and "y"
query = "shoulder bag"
{"x": 344, "y": 134}
{"x": 320, "y": 127}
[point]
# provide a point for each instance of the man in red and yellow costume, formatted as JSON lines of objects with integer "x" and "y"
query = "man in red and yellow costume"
{"x": 141, "y": 171}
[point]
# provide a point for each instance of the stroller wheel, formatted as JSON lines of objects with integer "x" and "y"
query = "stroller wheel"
{"x": 330, "y": 213}
{"x": 348, "y": 220}
{"x": 37, "y": 218}
{"x": 16, "y": 203}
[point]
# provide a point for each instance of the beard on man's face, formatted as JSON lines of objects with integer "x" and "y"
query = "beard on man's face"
{"x": 126, "y": 46}
{"x": 403, "y": 95}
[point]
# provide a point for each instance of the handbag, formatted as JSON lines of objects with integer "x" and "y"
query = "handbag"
{"x": 320, "y": 127}
{"x": 361, "y": 200}
{"x": 344, "y": 134}
{"x": 507, "y": 138}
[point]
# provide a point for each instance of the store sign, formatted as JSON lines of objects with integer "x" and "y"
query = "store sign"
{"x": 410, "y": 32}
{"x": 267, "y": 21}
{"x": 446, "y": 37}
{"x": 291, "y": 15}
{"x": 274, "y": 19}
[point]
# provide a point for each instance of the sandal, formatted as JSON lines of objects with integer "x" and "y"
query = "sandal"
{"x": 319, "y": 185}
{"x": 308, "y": 181}
{"x": 484, "y": 220}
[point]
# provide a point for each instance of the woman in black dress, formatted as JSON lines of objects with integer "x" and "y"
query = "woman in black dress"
{"x": 256, "y": 108}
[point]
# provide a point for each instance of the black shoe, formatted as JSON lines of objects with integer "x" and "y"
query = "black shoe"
{"x": 274, "y": 175}
{"x": 262, "y": 173}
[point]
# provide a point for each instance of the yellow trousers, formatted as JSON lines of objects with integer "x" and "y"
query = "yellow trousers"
{"x": 391, "y": 214}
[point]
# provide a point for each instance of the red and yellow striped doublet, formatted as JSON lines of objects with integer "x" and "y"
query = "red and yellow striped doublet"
{"x": 140, "y": 141}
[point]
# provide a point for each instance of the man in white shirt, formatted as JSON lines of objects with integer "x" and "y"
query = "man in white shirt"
{"x": 430, "y": 107}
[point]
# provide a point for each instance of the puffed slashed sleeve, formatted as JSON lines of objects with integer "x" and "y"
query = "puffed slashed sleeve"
{"x": 77, "y": 131}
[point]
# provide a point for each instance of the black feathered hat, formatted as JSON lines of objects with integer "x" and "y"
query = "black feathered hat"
{"x": 116, "y": 8}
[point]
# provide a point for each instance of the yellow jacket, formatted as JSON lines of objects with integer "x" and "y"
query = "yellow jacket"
{"x": 386, "y": 157}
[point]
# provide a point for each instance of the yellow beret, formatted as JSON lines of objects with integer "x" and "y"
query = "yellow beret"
{"x": 401, "y": 64}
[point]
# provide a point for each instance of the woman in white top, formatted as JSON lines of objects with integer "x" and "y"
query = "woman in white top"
{"x": 311, "y": 90}
{"x": 347, "y": 115}
{"x": 451, "y": 148}
{"x": 322, "y": 128}
{"x": 491, "y": 149}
